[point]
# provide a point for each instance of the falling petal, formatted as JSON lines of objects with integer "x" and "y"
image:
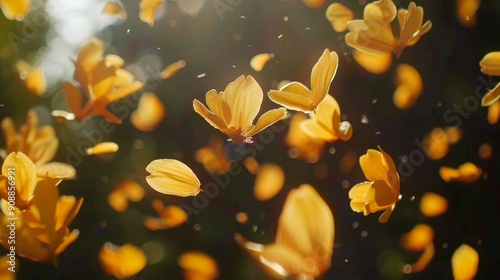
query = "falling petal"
{"x": 259, "y": 61}
{"x": 269, "y": 181}
{"x": 113, "y": 8}
{"x": 56, "y": 170}
{"x": 122, "y": 261}
{"x": 466, "y": 12}
{"x": 314, "y": 3}
{"x": 375, "y": 64}
{"x": 404, "y": 98}
{"x": 490, "y": 64}
{"x": 15, "y": 9}
{"x": 494, "y": 112}
{"x": 198, "y": 265}
{"x": 436, "y": 144}
{"x": 453, "y": 133}
{"x": 32, "y": 77}
{"x": 491, "y": 97}
{"x": 169, "y": 176}
{"x": 465, "y": 173}
{"x": 432, "y": 205}
{"x": 149, "y": 114}
{"x": 485, "y": 151}
{"x": 171, "y": 69}
{"x": 464, "y": 263}
{"x": 422, "y": 262}
{"x": 251, "y": 165}
{"x": 103, "y": 148}
{"x": 418, "y": 238}
{"x": 338, "y": 15}
{"x": 147, "y": 10}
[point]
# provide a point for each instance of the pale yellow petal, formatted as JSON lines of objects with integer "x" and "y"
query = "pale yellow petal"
{"x": 464, "y": 262}
{"x": 322, "y": 75}
{"x": 244, "y": 97}
{"x": 259, "y": 61}
{"x": 490, "y": 64}
{"x": 147, "y": 9}
{"x": 267, "y": 119}
{"x": 56, "y": 170}
{"x": 149, "y": 114}
{"x": 383, "y": 11}
{"x": 338, "y": 15}
{"x": 172, "y": 68}
{"x": 379, "y": 197}
{"x": 172, "y": 177}
{"x": 269, "y": 181}
{"x": 15, "y": 9}
{"x": 432, "y": 205}
{"x": 293, "y": 97}
{"x": 491, "y": 97}
{"x": 103, "y": 148}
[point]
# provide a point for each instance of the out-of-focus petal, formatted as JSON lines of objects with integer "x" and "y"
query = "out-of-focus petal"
{"x": 453, "y": 133}
{"x": 436, "y": 144}
{"x": 466, "y": 12}
{"x": 122, "y": 261}
{"x": 287, "y": 262}
{"x": 15, "y": 9}
{"x": 269, "y": 181}
{"x": 73, "y": 97}
{"x": 404, "y": 98}
{"x": 172, "y": 177}
{"x": 149, "y": 114}
{"x": 5, "y": 264}
{"x": 314, "y": 3}
{"x": 464, "y": 262}
{"x": 407, "y": 75}
{"x": 465, "y": 173}
{"x": 103, "y": 148}
{"x": 113, "y": 8}
{"x": 308, "y": 148}
{"x": 375, "y": 64}
{"x": 494, "y": 113}
{"x": 259, "y": 61}
{"x": 485, "y": 151}
{"x": 147, "y": 9}
{"x": 418, "y": 238}
{"x": 422, "y": 262}
{"x": 338, "y": 15}
{"x": 432, "y": 205}
{"x": 172, "y": 68}
{"x": 32, "y": 77}
{"x": 198, "y": 266}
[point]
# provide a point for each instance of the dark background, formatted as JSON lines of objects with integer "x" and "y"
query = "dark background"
{"x": 447, "y": 58}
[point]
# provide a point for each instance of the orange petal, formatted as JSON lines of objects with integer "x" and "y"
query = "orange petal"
{"x": 453, "y": 133}
{"x": 314, "y": 3}
{"x": 466, "y": 12}
{"x": 485, "y": 151}
{"x": 172, "y": 177}
{"x": 432, "y": 205}
{"x": 121, "y": 261}
{"x": 375, "y": 64}
{"x": 407, "y": 75}
{"x": 113, "y": 8}
{"x": 147, "y": 9}
{"x": 32, "y": 77}
{"x": 198, "y": 265}
{"x": 171, "y": 69}
{"x": 259, "y": 61}
{"x": 491, "y": 97}
{"x": 422, "y": 262}
{"x": 149, "y": 114}
{"x": 17, "y": 9}
{"x": 103, "y": 148}
{"x": 418, "y": 238}
{"x": 270, "y": 180}
{"x": 494, "y": 113}
{"x": 490, "y": 64}
{"x": 308, "y": 148}
{"x": 436, "y": 144}
{"x": 464, "y": 263}
{"x": 404, "y": 98}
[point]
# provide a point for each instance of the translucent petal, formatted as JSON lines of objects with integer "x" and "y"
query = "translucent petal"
{"x": 375, "y": 64}
{"x": 122, "y": 261}
{"x": 322, "y": 75}
{"x": 269, "y": 181}
{"x": 492, "y": 96}
{"x": 244, "y": 97}
{"x": 260, "y": 60}
{"x": 338, "y": 15}
{"x": 172, "y": 68}
{"x": 172, "y": 177}
{"x": 198, "y": 265}
{"x": 15, "y": 9}
{"x": 113, "y": 8}
{"x": 267, "y": 119}
{"x": 418, "y": 238}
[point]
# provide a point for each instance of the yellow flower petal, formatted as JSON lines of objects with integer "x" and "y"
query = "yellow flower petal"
{"x": 5, "y": 264}
{"x": 286, "y": 262}
{"x": 269, "y": 181}
{"x": 251, "y": 165}
{"x": 372, "y": 166}
{"x": 322, "y": 75}
{"x": 494, "y": 113}
{"x": 103, "y": 148}
{"x": 267, "y": 119}
{"x": 56, "y": 170}
{"x": 432, "y": 205}
{"x": 408, "y": 76}
{"x": 171, "y": 69}
{"x": 404, "y": 98}
{"x": 464, "y": 263}
{"x": 25, "y": 178}
{"x": 491, "y": 97}
{"x": 113, "y": 8}
{"x": 212, "y": 156}
{"x": 259, "y": 61}
{"x": 149, "y": 114}
{"x": 490, "y": 64}
{"x": 465, "y": 173}
{"x": 211, "y": 118}
{"x": 170, "y": 216}
{"x": 466, "y": 11}
{"x": 379, "y": 197}
{"x": 73, "y": 97}
{"x": 453, "y": 133}
{"x": 198, "y": 265}
{"x": 293, "y": 96}
{"x": 383, "y": 11}
{"x": 124, "y": 191}
{"x": 338, "y": 15}
{"x": 244, "y": 97}
{"x": 32, "y": 77}
{"x": 15, "y": 9}
{"x": 418, "y": 238}
{"x": 121, "y": 261}
{"x": 306, "y": 226}
{"x": 308, "y": 148}
{"x": 375, "y": 64}
{"x": 147, "y": 9}
{"x": 436, "y": 144}
{"x": 172, "y": 177}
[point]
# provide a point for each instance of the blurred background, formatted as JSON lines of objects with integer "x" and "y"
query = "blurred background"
{"x": 217, "y": 46}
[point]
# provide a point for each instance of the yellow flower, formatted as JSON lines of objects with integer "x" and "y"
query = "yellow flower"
{"x": 304, "y": 240}
{"x": 39, "y": 144}
{"x": 325, "y": 122}
{"x": 42, "y": 231}
{"x": 382, "y": 191}
{"x": 373, "y": 34}
{"x": 296, "y": 96}
{"x": 102, "y": 80}
{"x": 233, "y": 110}
{"x": 15, "y": 9}
{"x": 490, "y": 65}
